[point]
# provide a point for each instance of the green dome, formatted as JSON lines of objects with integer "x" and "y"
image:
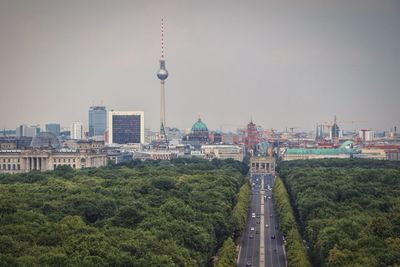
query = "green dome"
{"x": 199, "y": 126}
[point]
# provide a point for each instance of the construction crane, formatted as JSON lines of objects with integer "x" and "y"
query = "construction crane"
{"x": 343, "y": 122}
{"x": 329, "y": 124}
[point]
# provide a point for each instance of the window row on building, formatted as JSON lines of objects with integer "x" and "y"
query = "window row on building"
{"x": 63, "y": 160}
{"x": 10, "y": 167}
{"x": 11, "y": 160}
{"x": 70, "y": 165}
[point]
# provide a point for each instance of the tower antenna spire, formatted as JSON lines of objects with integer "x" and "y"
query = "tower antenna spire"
{"x": 162, "y": 38}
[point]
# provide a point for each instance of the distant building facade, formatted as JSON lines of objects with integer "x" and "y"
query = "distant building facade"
{"x": 125, "y": 127}
{"x": 44, "y": 153}
{"x": 15, "y": 161}
{"x": 156, "y": 155}
{"x": 27, "y": 131}
{"x": 53, "y": 128}
{"x": 97, "y": 121}
{"x": 222, "y": 152}
{"x": 346, "y": 150}
{"x": 381, "y": 152}
{"x": 77, "y": 130}
{"x": 366, "y": 135}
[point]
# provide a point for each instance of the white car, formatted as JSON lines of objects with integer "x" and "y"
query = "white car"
{"x": 252, "y": 229}
{"x": 266, "y": 226}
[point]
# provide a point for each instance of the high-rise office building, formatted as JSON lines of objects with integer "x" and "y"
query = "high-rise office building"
{"x": 125, "y": 127}
{"x": 97, "y": 121}
{"x": 53, "y": 128}
{"x": 77, "y": 130}
{"x": 27, "y": 131}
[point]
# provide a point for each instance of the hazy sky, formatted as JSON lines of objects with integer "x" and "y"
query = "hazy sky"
{"x": 283, "y": 63}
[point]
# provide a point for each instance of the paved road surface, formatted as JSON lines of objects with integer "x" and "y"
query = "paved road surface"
{"x": 274, "y": 255}
{"x": 250, "y": 245}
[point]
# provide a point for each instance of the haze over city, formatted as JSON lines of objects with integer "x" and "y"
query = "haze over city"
{"x": 285, "y": 64}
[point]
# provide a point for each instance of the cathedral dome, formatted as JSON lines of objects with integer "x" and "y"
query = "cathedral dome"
{"x": 199, "y": 126}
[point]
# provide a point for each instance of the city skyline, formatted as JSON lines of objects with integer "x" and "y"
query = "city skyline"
{"x": 282, "y": 65}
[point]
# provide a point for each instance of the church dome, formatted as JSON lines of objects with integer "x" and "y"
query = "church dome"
{"x": 199, "y": 126}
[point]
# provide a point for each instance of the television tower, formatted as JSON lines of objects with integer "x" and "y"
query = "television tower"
{"x": 162, "y": 74}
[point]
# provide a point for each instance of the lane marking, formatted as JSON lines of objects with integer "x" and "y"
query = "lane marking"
{"x": 262, "y": 225}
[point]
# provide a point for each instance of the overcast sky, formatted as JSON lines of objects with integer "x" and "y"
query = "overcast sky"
{"x": 283, "y": 63}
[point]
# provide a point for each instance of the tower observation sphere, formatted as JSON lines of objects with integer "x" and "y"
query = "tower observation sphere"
{"x": 162, "y": 74}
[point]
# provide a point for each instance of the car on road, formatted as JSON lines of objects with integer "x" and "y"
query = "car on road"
{"x": 248, "y": 263}
{"x": 273, "y": 237}
{"x": 252, "y": 229}
{"x": 253, "y": 215}
{"x": 266, "y": 226}
{"x": 251, "y": 236}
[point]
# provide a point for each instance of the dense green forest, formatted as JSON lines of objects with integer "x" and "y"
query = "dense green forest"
{"x": 176, "y": 213}
{"x": 349, "y": 210}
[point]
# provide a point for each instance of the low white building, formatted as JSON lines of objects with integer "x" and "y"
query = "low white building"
{"x": 156, "y": 155}
{"x": 222, "y": 152}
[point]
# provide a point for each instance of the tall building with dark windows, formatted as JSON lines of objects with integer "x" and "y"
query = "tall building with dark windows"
{"x": 53, "y": 128}
{"x": 97, "y": 121}
{"x": 125, "y": 127}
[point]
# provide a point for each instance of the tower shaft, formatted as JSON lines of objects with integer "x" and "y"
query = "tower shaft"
{"x": 162, "y": 110}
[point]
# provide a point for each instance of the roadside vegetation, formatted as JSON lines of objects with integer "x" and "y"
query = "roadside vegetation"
{"x": 228, "y": 254}
{"x": 154, "y": 213}
{"x": 349, "y": 210}
{"x": 295, "y": 250}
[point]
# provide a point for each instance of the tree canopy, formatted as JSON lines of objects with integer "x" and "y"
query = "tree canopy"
{"x": 349, "y": 210}
{"x": 153, "y": 213}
